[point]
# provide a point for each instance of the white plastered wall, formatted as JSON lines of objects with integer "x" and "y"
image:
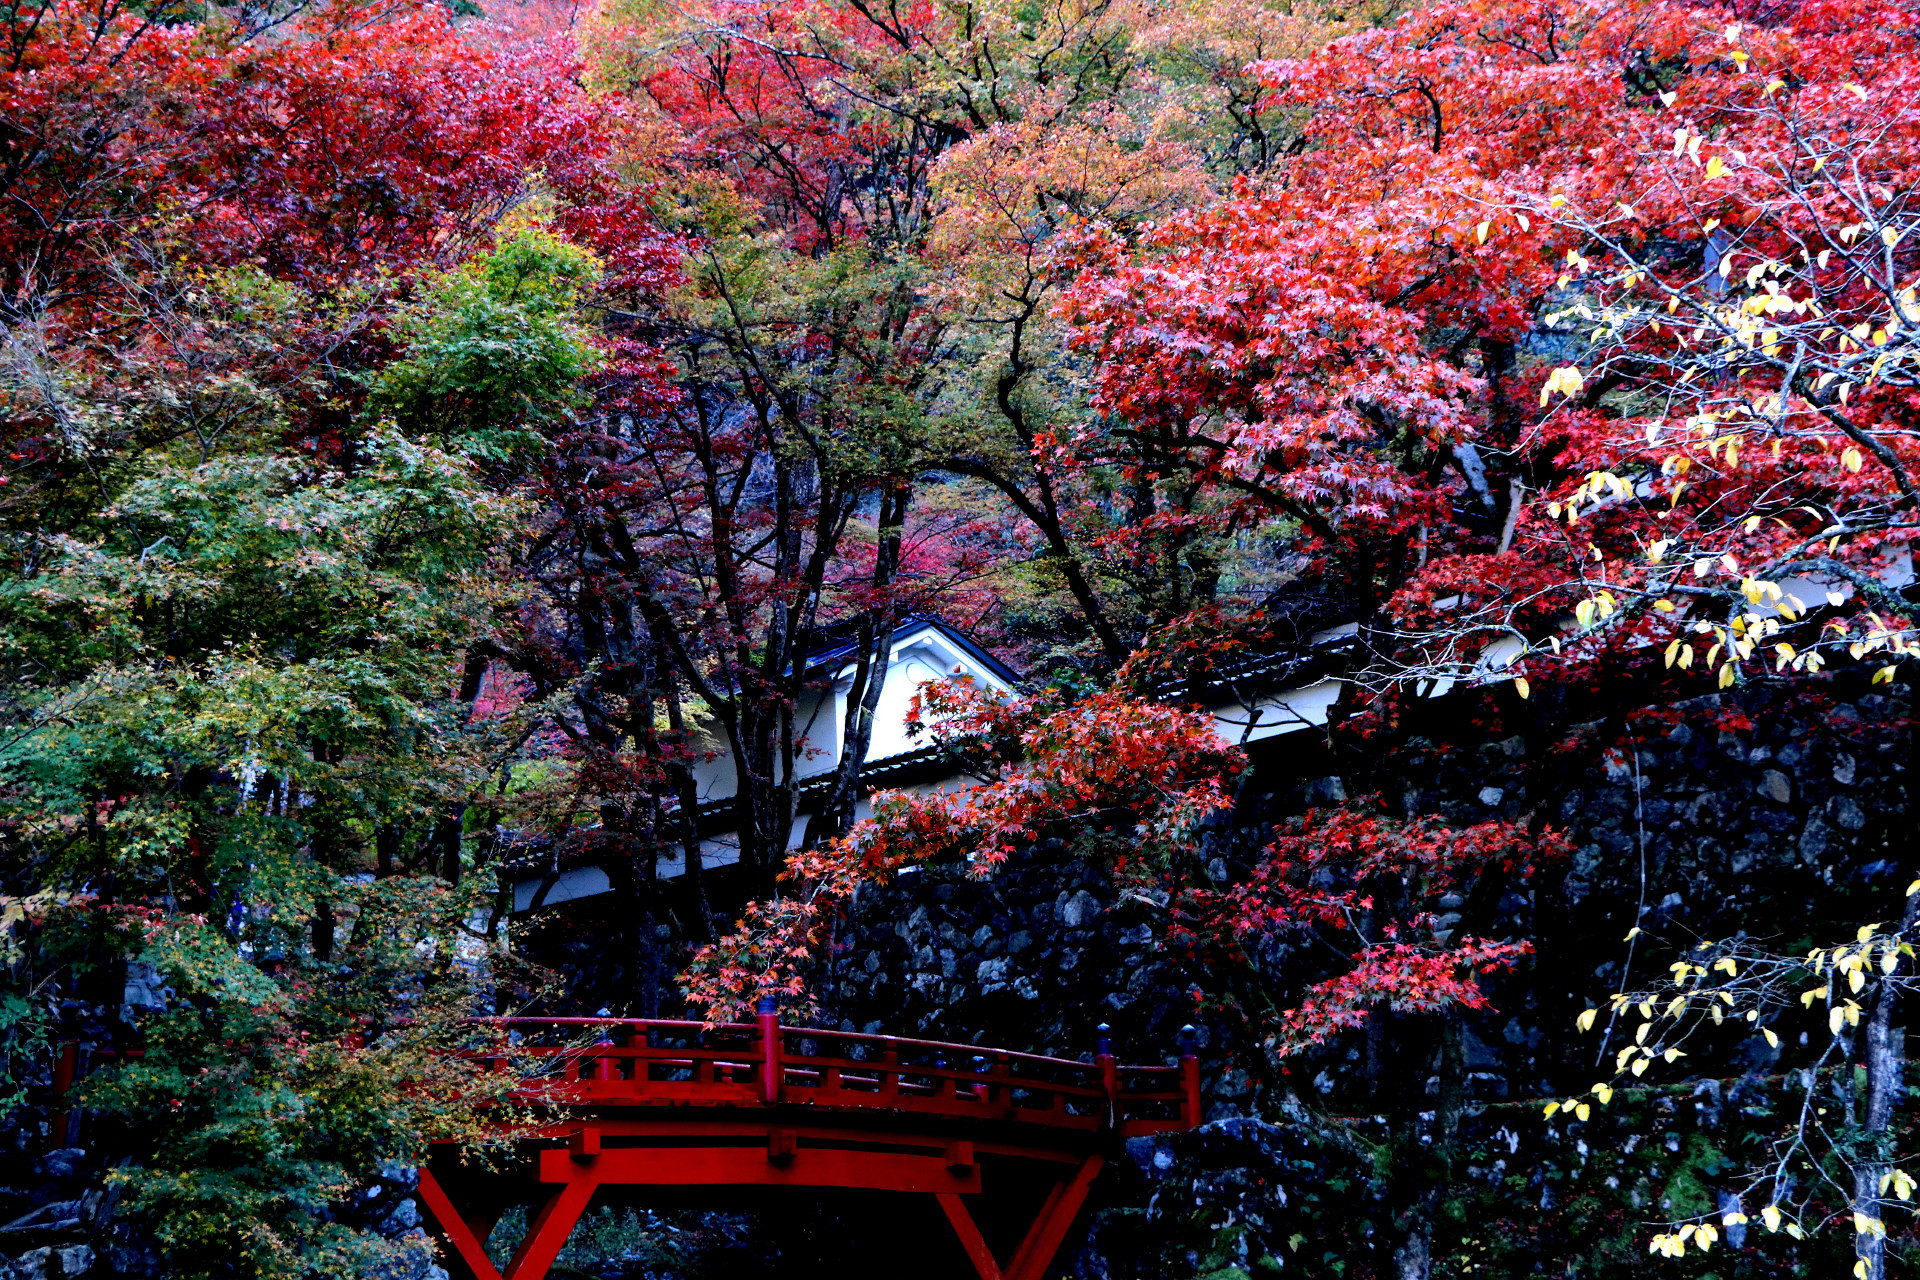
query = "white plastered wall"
{"x": 918, "y": 656}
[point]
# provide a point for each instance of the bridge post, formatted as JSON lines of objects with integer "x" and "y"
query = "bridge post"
{"x": 1109, "y": 1073}
{"x": 772, "y": 1074}
{"x": 604, "y": 1067}
{"x": 1190, "y": 1075}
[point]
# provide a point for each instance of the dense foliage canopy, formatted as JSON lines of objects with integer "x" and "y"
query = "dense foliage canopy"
{"x": 438, "y": 439}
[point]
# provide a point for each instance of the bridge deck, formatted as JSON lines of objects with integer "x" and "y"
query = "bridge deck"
{"x": 662, "y": 1103}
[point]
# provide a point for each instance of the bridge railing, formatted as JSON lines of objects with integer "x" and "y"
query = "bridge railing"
{"x": 640, "y": 1062}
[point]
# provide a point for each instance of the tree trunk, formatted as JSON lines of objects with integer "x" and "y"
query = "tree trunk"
{"x": 1423, "y": 1161}
{"x": 1883, "y": 1054}
{"x": 863, "y": 696}
{"x": 686, "y": 794}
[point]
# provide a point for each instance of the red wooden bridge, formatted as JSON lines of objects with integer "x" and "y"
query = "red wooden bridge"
{"x": 684, "y": 1104}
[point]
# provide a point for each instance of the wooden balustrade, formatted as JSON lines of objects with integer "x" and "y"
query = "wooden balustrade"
{"x": 654, "y": 1102}
{"x": 619, "y": 1062}
{"x": 763, "y": 1105}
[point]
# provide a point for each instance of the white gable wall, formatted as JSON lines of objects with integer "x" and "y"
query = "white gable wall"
{"x": 818, "y": 718}
{"x": 918, "y": 657}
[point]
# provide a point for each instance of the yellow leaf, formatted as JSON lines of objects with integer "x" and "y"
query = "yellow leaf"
{"x": 1566, "y": 380}
{"x": 1773, "y": 1041}
{"x": 1715, "y": 169}
{"x": 1480, "y": 232}
{"x": 1521, "y": 687}
{"x": 1585, "y": 1020}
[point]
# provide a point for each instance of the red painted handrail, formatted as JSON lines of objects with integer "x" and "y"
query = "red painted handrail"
{"x": 651, "y": 1062}
{"x": 760, "y": 1104}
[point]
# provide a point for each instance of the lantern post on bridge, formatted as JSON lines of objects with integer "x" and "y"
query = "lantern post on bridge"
{"x": 772, "y": 1075}
{"x": 1190, "y": 1106}
{"x": 1109, "y": 1071}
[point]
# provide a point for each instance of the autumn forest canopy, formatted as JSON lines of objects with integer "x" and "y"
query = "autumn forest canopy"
{"x": 442, "y": 438}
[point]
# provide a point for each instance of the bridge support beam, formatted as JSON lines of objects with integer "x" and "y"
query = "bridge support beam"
{"x": 468, "y": 1245}
{"x": 550, "y": 1229}
{"x": 544, "y": 1239}
{"x": 577, "y": 1174}
{"x": 1043, "y": 1235}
